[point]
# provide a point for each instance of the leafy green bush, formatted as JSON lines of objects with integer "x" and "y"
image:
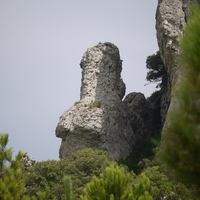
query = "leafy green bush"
{"x": 165, "y": 186}
{"x": 80, "y": 167}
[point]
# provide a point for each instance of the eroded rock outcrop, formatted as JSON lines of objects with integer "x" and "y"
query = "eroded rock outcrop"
{"x": 99, "y": 120}
{"x": 171, "y": 18}
{"x": 144, "y": 115}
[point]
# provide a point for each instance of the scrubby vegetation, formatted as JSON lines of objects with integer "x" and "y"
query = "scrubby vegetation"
{"x": 115, "y": 183}
{"x": 89, "y": 174}
{"x": 81, "y": 166}
{"x": 84, "y": 169}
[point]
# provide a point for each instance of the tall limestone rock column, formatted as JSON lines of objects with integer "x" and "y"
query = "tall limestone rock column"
{"x": 171, "y": 17}
{"x": 99, "y": 119}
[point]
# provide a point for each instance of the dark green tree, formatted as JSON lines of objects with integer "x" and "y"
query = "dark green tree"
{"x": 12, "y": 186}
{"x": 156, "y": 71}
{"x": 5, "y": 154}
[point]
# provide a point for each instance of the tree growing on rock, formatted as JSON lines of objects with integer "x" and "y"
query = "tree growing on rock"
{"x": 156, "y": 71}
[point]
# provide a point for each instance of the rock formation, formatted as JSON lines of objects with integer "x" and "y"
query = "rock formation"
{"x": 28, "y": 161}
{"x": 144, "y": 116}
{"x": 99, "y": 120}
{"x": 171, "y": 17}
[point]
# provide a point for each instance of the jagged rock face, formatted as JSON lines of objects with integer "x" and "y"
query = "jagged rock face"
{"x": 171, "y": 17}
{"x": 99, "y": 120}
{"x": 170, "y": 20}
{"x": 144, "y": 117}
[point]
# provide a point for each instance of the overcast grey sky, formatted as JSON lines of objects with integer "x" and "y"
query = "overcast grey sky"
{"x": 41, "y": 45}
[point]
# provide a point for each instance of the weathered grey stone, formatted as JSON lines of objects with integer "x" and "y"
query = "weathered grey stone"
{"x": 99, "y": 120}
{"x": 171, "y": 18}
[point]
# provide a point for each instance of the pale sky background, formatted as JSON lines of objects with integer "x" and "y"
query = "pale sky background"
{"x": 41, "y": 45}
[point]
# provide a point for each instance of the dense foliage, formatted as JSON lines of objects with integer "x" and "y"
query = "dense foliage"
{"x": 80, "y": 167}
{"x": 115, "y": 184}
{"x": 88, "y": 172}
{"x": 164, "y": 184}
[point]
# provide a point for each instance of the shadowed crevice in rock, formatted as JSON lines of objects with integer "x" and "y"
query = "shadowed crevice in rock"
{"x": 144, "y": 116}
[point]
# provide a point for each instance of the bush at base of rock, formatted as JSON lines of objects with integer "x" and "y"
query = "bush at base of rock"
{"x": 81, "y": 166}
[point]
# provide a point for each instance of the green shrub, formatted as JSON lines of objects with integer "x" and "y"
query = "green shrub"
{"x": 81, "y": 166}
{"x": 165, "y": 186}
{"x": 94, "y": 104}
{"x": 11, "y": 183}
{"x": 116, "y": 184}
